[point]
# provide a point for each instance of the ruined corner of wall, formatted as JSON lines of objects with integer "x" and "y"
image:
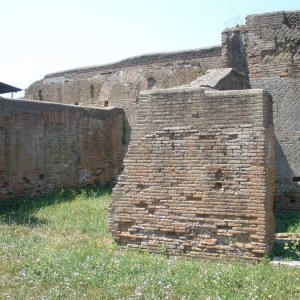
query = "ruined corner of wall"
{"x": 199, "y": 174}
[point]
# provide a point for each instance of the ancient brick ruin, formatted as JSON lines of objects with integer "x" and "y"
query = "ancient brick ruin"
{"x": 44, "y": 146}
{"x": 199, "y": 175}
{"x": 266, "y": 49}
{"x": 119, "y": 84}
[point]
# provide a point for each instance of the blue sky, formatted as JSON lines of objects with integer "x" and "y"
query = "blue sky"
{"x": 41, "y": 36}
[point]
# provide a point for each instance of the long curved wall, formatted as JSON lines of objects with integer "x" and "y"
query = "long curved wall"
{"x": 120, "y": 83}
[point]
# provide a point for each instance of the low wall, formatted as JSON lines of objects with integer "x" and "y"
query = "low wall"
{"x": 199, "y": 175}
{"x": 44, "y": 146}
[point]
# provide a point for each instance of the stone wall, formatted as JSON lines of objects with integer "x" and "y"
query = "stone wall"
{"x": 199, "y": 175}
{"x": 270, "y": 45}
{"x": 44, "y": 146}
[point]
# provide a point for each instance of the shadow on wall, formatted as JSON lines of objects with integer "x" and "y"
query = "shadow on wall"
{"x": 126, "y": 134}
{"x": 287, "y": 195}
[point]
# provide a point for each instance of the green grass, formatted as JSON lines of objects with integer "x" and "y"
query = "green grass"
{"x": 288, "y": 222}
{"x": 59, "y": 247}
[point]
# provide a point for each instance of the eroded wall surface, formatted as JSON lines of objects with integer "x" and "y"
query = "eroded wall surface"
{"x": 199, "y": 175}
{"x": 268, "y": 49}
{"x": 44, "y": 146}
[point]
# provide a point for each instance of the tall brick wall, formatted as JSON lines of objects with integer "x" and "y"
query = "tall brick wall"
{"x": 274, "y": 64}
{"x": 199, "y": 174}
{"x": 44, "y": 146}
{"x": 270, "y": 43}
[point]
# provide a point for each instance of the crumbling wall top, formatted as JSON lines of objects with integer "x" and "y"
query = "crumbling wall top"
{"x": 146, "y": 59}
{"x": 222, "y": 79}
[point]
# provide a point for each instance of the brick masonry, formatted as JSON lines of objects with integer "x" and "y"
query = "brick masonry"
{"x": 199, "y": 175}
{"x": 44, "y": 146}
{"x": 269, "y": 53}
{"x": 266, "y": 49}
{"x": 120, "y": 83}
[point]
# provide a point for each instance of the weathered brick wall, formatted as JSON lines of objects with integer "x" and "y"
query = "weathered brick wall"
{"x": 44, "y": 146}
{"x": 266, "y": 49}
{"x": 119, "y": 84}
{"x": 270, "y": 43}
{"x": 273, "y": 50}
{"x": 199, "y": 175}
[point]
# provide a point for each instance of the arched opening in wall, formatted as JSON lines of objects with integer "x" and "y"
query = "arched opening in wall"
{"x": 105, "y": 103}
{"x": 40, "y": 95}
{"x": 92, "y": 91}
{"x": 151, "y": 83}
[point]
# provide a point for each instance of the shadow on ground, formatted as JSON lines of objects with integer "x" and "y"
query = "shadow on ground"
{"x": 22, "y": 211}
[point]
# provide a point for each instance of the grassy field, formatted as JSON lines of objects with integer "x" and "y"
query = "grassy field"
{"x": 59, "y": 247}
